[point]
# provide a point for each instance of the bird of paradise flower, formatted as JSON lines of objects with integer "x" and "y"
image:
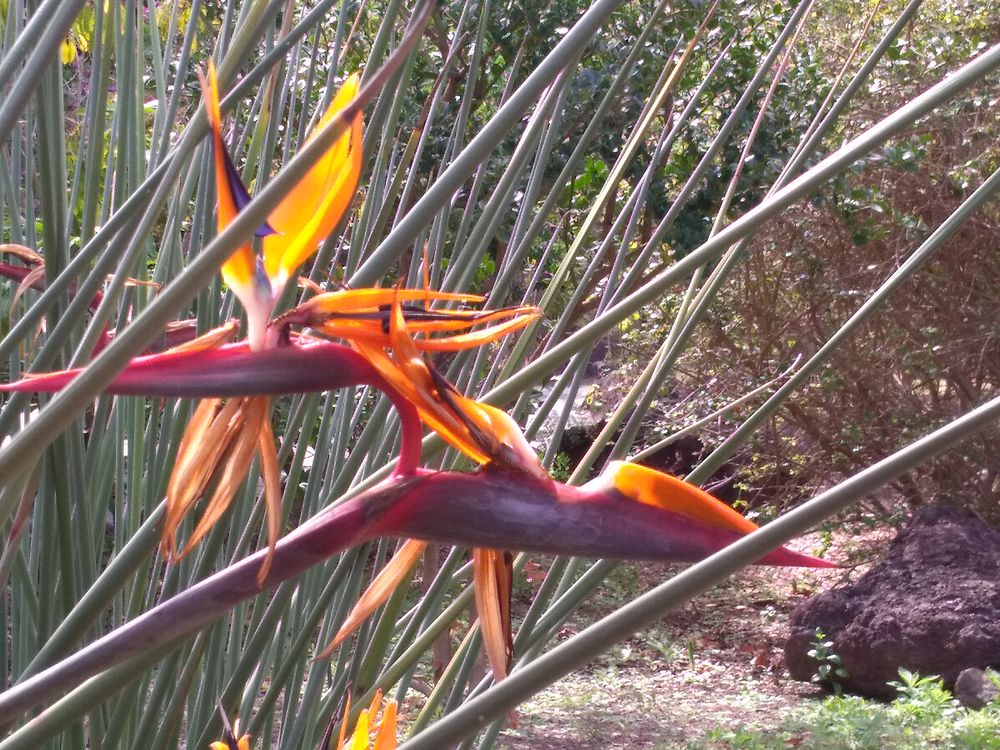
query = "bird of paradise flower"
{"x": 655, "y": 516}
{"x": 222, "y": 435}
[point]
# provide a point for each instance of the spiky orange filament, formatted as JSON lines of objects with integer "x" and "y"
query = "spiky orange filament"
{"x": 484, "y": 433}
{"x": 371, "y": 327}
{"x": 364, "y": 315}
{"x": 371, "y": 299}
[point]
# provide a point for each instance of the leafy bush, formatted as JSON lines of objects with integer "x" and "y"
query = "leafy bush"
{"x": 923, "y": 716}
{"x": 935, "y": 348}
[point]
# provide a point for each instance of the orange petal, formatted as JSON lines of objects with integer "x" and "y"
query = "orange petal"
{"x": 417, "y": 393}
{"x": 378, "y": 592}
{"x": 355, "y": 300}
{"x": 371, "y": 326}
{"x": 206, "y": 438}
{"x": 238, "y": 459}
{"x": 239, "y": 270}
{"x": 375, "y": 702}
{"x": 670, "y": 493}
{"x": 373, "y": 332}
{"x": 419, "y": 390}
{"x": 26, "y": 254}
{"x": 242, "y": 744}
{"x": 271, "y": 472}
{"x": 343, "y": 724}
{"x": 492, "y": 576}
{"x": 386, "y": 738}
{"x": 359, "y": 740}
{"x": 410, "y": 368}
{"x": 482, "y": 432}
{"x": 363, "y": 314}
{"x": 513, "y": 319}
{"x": 313, "y": 207}
{"x": 29, "y": 280}
{"x": 513, "y": 451}
{"x": 211, "y": 340}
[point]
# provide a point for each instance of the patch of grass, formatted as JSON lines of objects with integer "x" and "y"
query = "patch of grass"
{"x": 923, "y": 716}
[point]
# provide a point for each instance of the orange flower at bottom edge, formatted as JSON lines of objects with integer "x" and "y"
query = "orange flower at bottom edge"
{"x": 367, "y": 725}
{"x": 231, "y": 739}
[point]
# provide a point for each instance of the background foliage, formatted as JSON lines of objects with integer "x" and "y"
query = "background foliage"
{"x": 929, "y": 354}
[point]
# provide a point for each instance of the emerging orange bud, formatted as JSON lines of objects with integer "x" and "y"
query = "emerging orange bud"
{"x": 367, "y": 725}
{"x": 232, "y": 740}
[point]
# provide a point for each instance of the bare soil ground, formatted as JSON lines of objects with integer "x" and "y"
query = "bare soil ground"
{"x": 716, "y": 663}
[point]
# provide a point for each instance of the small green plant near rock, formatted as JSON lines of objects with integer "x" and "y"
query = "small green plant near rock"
{"x": 923, "y": 697}
{"x": 830, "y": 670}
{"x": 561, "y": 466}
{"x": 993, "y": 676}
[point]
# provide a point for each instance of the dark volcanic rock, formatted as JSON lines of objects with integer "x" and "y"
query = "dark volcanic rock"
{"x": 974, "y": 689}
{"x": 932, "y": 606}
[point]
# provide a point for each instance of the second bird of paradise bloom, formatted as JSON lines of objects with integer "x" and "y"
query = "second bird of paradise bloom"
{"x": 231, "y": 737}
{"x": 372, "y": 731}
{"x": 375, "y": 729}
{"x": 389, "y": 332}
